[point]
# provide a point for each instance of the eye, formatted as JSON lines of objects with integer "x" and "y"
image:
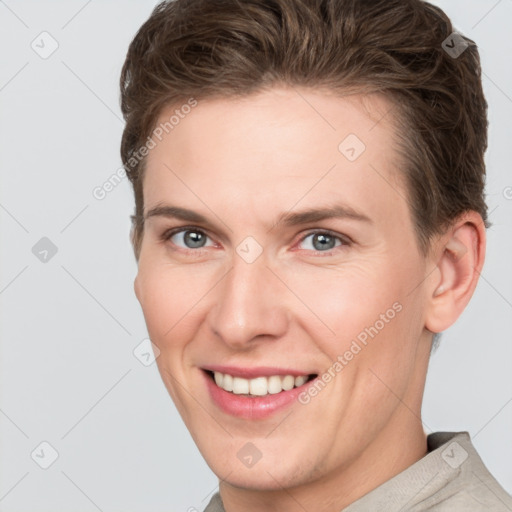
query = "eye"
{"x": 190, "y": 238}
{"x": 323, "y": 241}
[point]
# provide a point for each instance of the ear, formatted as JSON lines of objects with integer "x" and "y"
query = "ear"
{"x": 460, "y": 258}
{"x": 136, "y": 287}
{"x": 132, "y": 236}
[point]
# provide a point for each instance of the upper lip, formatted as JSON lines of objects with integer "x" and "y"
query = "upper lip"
{"x": 254, "y": 371}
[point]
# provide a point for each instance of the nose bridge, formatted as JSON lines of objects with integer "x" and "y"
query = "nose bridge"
{"x": 248, "y": 303}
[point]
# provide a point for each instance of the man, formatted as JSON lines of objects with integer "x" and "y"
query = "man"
{"x": 309, "y": 188}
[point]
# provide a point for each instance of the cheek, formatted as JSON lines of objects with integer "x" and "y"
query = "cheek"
{"x": 169, "y": 298}
{"x": 335, "y": 305}
{"x": 361, "y": 311}
{"x": 346, "y": 299}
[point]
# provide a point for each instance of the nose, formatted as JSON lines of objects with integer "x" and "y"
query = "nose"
{"x": 250, "y": 305}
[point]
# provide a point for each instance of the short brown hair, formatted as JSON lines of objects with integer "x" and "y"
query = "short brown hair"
{"x": 225, "y": 48}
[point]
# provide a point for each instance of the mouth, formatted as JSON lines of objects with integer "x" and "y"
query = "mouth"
{"x": 257, "y": 395}
{"x": 258, "y": 386}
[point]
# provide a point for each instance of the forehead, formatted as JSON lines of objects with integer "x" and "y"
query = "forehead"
{"x": 272, "y": 150}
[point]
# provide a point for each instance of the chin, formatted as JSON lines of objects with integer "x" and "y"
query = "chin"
{"x": 267, "y": 475}
{"x": 260, "y": 481}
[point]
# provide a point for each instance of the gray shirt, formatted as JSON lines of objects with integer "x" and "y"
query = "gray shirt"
{"x": 451, "y": 477}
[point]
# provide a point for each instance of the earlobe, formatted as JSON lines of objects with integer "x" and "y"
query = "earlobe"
{"x": 459, "y": 264}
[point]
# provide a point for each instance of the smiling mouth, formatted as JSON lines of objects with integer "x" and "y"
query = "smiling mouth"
{"x": 259, "y": 386}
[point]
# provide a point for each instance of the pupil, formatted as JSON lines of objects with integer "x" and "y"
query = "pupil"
{"x": 326, "y": 241}
{"x": 196, "y": 239}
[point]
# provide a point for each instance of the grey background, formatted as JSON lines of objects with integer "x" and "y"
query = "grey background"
{"x": 70, "y": 325}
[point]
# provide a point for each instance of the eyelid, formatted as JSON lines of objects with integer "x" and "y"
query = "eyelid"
{"x": 168, "y": 233}
{"x": 330, "y": 232}
{"x": 346, "y": 241}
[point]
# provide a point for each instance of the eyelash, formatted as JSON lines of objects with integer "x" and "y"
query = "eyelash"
{"x": 345, "y": 241}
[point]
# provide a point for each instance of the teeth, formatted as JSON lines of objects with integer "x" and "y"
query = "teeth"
{"x": 259, "y": 386}
{"x": 300, "y": 380}
{"x": 288, "y": 382}
{"x": 274, "y": 385}
{"x": 240, "y": 386}
{"x": 227, "y": 382}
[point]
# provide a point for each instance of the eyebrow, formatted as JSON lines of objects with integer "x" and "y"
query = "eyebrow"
{"x": 337, "y": 211}
{"x": 287, "y": 218}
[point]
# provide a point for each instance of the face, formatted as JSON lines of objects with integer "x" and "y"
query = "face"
{"x": 313, "y": 322}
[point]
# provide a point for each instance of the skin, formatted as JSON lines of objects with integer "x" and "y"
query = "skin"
{"x": 241, "y": 163}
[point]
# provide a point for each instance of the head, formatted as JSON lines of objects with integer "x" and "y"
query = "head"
{"x": 248, "y": 114}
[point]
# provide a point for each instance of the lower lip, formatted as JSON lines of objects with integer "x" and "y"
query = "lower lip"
{"x": 252, "y": 408}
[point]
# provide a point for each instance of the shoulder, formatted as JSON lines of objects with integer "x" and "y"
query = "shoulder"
{"x": 469, "y": 486}
{"x": 215, "y": 504}
{"x": 450, "y": 478}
